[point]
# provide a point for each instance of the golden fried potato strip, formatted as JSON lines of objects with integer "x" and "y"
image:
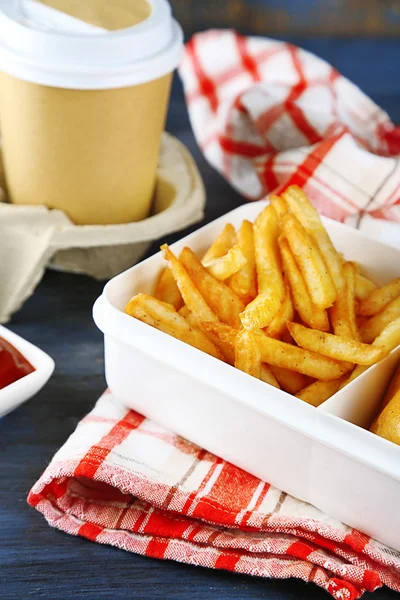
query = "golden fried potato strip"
{"x": 386, "y": 424}
{"x": 310, "y": 262}
{"x": 342, "y": 313}
{"x": 247, "y": 353}
{"x": 279, "y": 205}
{"x": 244, "y": 282}
{"x": 202, "y": 338}
{"x": 335, "y": 346}
{"x": 308, "y": 216}
{"x": 375, "y": 325}
{"x": 290, "y": 381}
{"x": 271, "y": 290}
{"x": 184, "y": 311}
{"x": 191, "y": 295}
{"x": 225, "y": 304}
{"x": 267, "y": 376}
{"x": 364, "y": 286}
{"x": 389, "y": 338}
{"x": 164, "y": 317}
{"x": 286, "y": 313}
{"x": 223, "y": 336}
{"x": 319, "y": 391}
{"x": 315, "y": 365}
{"x": 223, "y": 267}
{"x": 167, "y": 290}
{"x": 222, "y": 244}
{"x": 379, "y": 298}
{"x": 309, "y": 314}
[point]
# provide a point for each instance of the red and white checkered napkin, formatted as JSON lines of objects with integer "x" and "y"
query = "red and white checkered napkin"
{"x": 122, "y": 480}
{"x": 267, "y": 114}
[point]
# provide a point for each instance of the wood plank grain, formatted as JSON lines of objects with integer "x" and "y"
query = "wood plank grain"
{"x": 293, "y": 17}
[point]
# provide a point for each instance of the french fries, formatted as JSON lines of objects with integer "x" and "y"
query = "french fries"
{"x": 316, "y": 318}
{"x": 223, "y": 336}
{"x": 202, "y": 340}
{"x": 290, "y": 381}
{"x": 342, "y": 313}
{"x": 184, "y": 311}
{"x": 247, "y": 353}
{"x": 271, "y": 290}
{"x": 277, "y": 353}
{"x": 225, "y": 304}
{"x": 279, "y": 205}
{"x": 164, "y": 317}
{"x": 223, "y": 243}
{"x": 223, "y": 267}
{"x": 244, "y": 282}
{"x": 319, "y": 391}
{"x": 364, "y": 286}
{"x": 267, "y": 376}
{"x": 305, "y": 212}
{"x": 286, "y": 313}
{"x": 379, "y": 298}
{"x": 389, "y": 338}
{"x": 373, "y": 327}
{"x": 310, "y": 262}
{"x": 335, "y": 346}
{"x": 277, "y": 301}
{"x": 191, "y": 295}
{"x": 166, "y": 289}
{"x": 349, "y": 275}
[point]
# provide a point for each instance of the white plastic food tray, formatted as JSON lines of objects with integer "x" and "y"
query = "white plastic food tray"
{"x": 322, "y": 456}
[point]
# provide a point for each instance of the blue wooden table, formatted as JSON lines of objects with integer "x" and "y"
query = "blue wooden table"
{"x": 38, "y": 562}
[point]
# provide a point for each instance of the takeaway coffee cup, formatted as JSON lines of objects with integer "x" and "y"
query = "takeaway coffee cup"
{"x": 84, "y": 89}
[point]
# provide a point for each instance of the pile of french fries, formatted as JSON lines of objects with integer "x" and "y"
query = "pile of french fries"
{"x": 276, "y": 300}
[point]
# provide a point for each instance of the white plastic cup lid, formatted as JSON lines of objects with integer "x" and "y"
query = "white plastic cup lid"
{"x": 45, "y": 46}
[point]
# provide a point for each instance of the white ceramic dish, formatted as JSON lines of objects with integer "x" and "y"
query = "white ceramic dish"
{"x": 323, "y": 456}
{"x": 17, "y": 393}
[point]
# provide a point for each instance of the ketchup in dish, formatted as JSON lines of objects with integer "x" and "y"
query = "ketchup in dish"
{"x": 13, "y": 365}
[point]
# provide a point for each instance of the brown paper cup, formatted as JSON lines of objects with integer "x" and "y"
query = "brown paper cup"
{"x": 90, "y": 153}
{"x": 84, "y": 90}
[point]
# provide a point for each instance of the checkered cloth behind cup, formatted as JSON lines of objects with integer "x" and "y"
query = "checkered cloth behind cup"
{"x": 267, "y": 114}
{"x": 122, "y": 480}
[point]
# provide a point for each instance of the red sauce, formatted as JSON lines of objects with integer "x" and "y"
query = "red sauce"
{"x": 13, "y": 365}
